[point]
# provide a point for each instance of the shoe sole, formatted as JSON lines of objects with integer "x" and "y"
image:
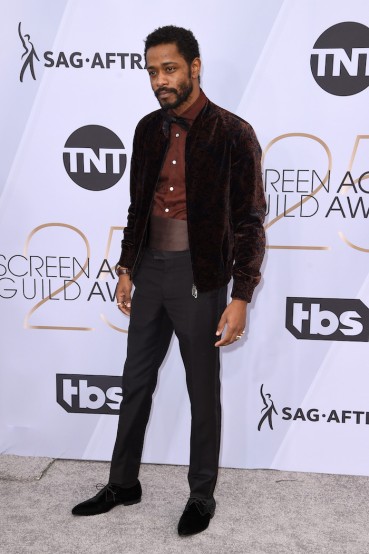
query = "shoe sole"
{"x": 126, "y": 503}
{"x": 194, "y": 533}
{"x": 131, "y": 502}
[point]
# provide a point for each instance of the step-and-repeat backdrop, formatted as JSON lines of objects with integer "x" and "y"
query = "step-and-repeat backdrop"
{"x": 296, "y": 388}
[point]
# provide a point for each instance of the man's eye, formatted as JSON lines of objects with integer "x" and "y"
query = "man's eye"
{"x": 151, "y": 73}
{"x": 170, "y": 69}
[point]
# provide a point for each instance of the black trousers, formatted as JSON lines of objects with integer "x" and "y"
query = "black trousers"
{"x": 162, "y": 303}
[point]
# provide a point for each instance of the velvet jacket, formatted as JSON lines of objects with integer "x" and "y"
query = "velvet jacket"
{"x": 224, "y": 195}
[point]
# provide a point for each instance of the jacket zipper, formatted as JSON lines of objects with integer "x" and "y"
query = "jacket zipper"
{"x": 194, "y": 288}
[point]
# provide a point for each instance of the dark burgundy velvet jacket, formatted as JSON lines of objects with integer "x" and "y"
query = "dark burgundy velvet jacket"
{"x": 225, "y": 198}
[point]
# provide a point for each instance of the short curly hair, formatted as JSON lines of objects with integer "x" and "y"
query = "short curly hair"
{"x": 186, "y": 43}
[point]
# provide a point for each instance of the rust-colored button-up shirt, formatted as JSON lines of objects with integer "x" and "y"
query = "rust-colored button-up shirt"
{"x": 170, "y": 196}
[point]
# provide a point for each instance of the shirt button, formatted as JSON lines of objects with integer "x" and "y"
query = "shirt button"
{"x": 171, "y": 188}
{"x": 166, "y": 210}
{"x": 177, "y": 135}
{"x": 174, "y": 162}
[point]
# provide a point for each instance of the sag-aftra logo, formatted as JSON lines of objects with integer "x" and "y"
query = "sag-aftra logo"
{"x": 31, "y": 58}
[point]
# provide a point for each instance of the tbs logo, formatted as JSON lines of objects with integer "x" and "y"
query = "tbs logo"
{"x": 89, "y": 394}
{"x": 338, "y": 319}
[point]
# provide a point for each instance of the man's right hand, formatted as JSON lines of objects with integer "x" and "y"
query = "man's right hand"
{"x": 123, "y": 294}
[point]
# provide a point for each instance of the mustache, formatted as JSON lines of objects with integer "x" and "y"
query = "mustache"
{"x": 165, "y": 89}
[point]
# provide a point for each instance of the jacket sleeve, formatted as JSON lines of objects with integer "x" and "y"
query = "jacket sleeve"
{"x": 247, "y": 203}
{"x": 128, "y": 255}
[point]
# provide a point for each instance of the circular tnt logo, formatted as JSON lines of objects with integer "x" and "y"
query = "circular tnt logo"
{"x": 94, "y": 157}
{"x": 340, "y": 59}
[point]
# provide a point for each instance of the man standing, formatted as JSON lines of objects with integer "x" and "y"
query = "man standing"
{"x": 195, "y": 220}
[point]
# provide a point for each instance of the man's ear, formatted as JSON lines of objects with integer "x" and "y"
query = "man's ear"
{"x": 195, "y": 68}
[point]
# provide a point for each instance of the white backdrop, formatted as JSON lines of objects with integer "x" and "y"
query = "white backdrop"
{"x": 62, "y": 339}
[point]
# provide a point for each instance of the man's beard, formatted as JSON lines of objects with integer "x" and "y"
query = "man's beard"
{"x": 182, "y": 94}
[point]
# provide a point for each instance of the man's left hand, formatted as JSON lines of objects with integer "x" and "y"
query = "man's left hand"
{"x": 234, "y": 320}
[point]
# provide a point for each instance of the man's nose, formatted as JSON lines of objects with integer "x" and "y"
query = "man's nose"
{"x": 162, "y": 79}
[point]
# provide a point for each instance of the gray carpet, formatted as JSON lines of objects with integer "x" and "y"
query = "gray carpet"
{"x": 258, "y": 512}
{"x": 22, "y": 468}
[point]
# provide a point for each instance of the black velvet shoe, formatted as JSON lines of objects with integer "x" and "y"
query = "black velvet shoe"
{"x": 196, "y": 516}
{"x": 109, "y": 497}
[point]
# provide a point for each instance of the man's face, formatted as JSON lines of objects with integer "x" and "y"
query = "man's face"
{"x": 170, "y": 76}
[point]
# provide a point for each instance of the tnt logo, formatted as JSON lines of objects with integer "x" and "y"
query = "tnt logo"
{"x": 89, "y": 394}
{"x": 327, "y": 319}
{"x": 340, "y": 59}
{"x": 94, "y": 157}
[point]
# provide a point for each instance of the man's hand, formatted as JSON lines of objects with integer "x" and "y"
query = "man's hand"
{"x": 234, "y": 317}
{"x": 123, "y": 294}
